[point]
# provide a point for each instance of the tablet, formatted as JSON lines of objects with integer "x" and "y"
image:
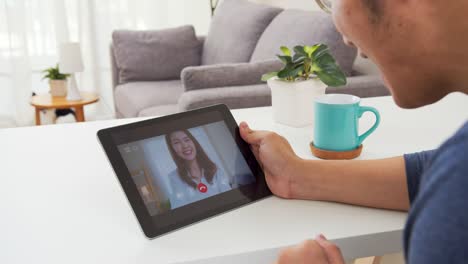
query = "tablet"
{"x": 180, "y": 169}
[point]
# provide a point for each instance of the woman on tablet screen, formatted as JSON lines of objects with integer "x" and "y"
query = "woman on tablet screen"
{"x": 196, "y": 177}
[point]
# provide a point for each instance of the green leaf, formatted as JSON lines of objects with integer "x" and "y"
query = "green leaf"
{"x": 268, "y": 76}
{"x": 286, "y": 51}
{"x": 326, "y": 60}
{"x": 298, "y": 58}
{"x": 53, "y": 73}
{"x": 328, "y": 71}
{"x": 300, "y": 50}
{"x": 311, "y": 49}
{"x": 308, "y": 60}
{"x": 320, "y": 51}
{"x": 297, "y": 71}
{"x": 285, "y": 59}
{"x": 286, "y": 72}
{"x": 332, "y": 79}
{"x": 326, "y": 67}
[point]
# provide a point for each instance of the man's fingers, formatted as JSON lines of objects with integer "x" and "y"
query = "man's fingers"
{"x": 250, "y": 136}
{"x": 332, "y": 251}
{"x": 307, "y": 252}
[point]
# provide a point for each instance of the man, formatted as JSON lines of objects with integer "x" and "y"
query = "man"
{"x": 421, "y": 47}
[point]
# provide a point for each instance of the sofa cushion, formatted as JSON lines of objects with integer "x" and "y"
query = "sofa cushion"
{"x": 155, "y": 55}
{"x": 161, "y": 110}
{"x": 235, "y": 29}
{"x": 221, "y": 75}
{"x": 234, "y": 97}
{"x": 131, "y": 98}
{"x": 298, "y": 27}
{"x": 362, "y": 86}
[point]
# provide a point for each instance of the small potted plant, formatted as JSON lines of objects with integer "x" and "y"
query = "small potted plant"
{"x": 57, "y": 81}
{"x": 306, "y": 74}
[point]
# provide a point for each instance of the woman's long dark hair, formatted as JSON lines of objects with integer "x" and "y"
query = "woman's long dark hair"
{"x": 205, "y": 163}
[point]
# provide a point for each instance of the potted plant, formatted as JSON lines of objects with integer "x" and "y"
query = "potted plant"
{"x": 57, "y": 81}
{"x": 306, "y": 74}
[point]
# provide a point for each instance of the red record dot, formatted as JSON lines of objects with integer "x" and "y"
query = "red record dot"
{"x": 202, "y": 188}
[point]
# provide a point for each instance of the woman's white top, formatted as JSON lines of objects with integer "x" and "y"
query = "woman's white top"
{"x": 183, "y": 194}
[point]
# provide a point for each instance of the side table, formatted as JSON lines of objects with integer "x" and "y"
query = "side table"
{"x": 47, "y": 101}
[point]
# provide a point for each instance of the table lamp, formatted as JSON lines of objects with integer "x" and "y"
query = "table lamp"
{"x": 70, "y": 62}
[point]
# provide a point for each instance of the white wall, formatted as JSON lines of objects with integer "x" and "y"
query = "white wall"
{"x": 361, "y": 65}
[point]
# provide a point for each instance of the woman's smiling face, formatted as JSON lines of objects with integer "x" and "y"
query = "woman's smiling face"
{"x": 183, "y": 146}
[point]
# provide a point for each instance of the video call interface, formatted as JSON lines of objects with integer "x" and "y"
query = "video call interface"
{"x": 185, "y": 166}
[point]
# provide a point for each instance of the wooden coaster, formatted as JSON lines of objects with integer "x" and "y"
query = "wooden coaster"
{"x": 335, "y": 155}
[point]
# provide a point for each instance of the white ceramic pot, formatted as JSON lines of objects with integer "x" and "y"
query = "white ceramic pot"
{"x": 293, "y": 102}
{"x": 58, "y": 87}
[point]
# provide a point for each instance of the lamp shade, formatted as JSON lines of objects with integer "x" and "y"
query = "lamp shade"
{"x": 70, "y": 60}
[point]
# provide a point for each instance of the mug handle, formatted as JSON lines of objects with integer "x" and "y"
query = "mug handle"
{"x": 362, "y": 110}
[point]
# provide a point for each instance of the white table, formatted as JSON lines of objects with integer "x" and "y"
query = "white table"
{"x": 61, "y": 203}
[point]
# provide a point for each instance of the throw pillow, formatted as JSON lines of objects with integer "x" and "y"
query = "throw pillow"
{"x": 155, "y": 55}
{"x": 299, "y": 27}
{"x": 235, "y": 29}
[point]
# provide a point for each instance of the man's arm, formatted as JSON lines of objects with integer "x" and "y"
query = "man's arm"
{"x": 387, "y": 183}
{"x": 373, "y": 183}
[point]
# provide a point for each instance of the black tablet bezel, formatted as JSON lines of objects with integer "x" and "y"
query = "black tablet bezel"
{"x": 154, "y": 226}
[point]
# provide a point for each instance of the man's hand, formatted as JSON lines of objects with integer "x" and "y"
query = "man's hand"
{"x": 275, "y": 156}
{"x": 318, "y": 251}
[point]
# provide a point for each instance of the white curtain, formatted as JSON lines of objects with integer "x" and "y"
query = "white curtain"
{"x": 31, "y": 30}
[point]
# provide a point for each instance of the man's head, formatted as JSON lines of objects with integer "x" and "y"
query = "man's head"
{"x": 419, "y": 45}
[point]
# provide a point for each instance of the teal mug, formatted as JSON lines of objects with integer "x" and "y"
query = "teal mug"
{"x": 337, "y": 122}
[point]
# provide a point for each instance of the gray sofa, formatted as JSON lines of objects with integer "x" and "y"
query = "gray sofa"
{"x": 163, "y": 72}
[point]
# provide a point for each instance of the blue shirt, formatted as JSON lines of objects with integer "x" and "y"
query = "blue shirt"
{"x": 437, "y": 226}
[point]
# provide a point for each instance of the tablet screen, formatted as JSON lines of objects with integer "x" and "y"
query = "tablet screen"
{"x": 185, "y": 166}
{"x": 180, "y": 169}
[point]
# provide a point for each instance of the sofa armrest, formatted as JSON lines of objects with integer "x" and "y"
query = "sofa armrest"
{"x": 259, "y": 95}
{"x": 233, "y": 96}
{"x": 225, "y": 75}
{"x": 362, "y": 86}
{"x": 201, "y": 39}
